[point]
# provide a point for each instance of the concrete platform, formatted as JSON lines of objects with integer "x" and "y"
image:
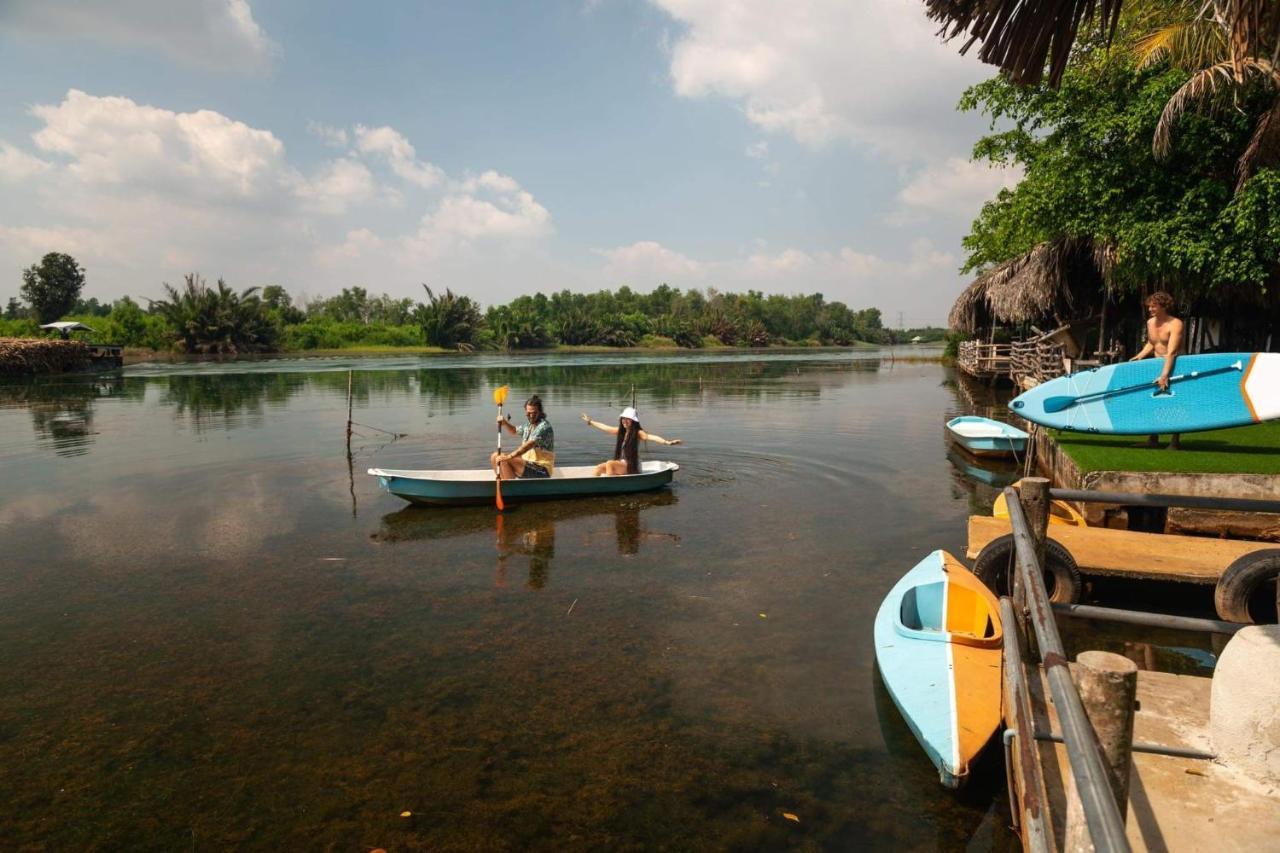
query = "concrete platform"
{"x": 1175, "y": 804}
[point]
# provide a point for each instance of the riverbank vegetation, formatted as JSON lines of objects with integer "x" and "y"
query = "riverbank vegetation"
{"x": 203, "y": 318}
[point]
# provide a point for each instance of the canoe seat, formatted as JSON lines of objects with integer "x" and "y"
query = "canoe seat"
{"x": 968, "y": 615}
{"x": 922, "y": 607}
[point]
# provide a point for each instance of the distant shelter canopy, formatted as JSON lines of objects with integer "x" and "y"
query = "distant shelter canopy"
{"x": 66, "y": 327}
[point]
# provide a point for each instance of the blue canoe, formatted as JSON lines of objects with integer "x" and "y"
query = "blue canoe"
{"x": 985, "y": 437}
{"x": 476, "y": 485}
{"x": 939, "y": 648}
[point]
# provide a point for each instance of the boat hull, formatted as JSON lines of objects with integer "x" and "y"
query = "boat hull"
{"x": 458, "y": 488}
{"x": 985, "y": 437}
{"x": 939, "y": 651}
{"x": 1227, "y": 390}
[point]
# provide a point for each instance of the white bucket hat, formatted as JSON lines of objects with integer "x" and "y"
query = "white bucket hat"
{"x": 630, "y": 414}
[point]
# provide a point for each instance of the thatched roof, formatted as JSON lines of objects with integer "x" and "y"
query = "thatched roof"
{"x": 1049, "y": 283}
{"x": 970, "y": 312}
{"x": 1021, "y": 37}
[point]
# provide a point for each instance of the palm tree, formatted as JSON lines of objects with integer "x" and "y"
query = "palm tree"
{"x": 218, "y": 320}
{"x": 1022, "y": 37}
{"x": 1198, "y": 39}
{"x": 449, "y": 320}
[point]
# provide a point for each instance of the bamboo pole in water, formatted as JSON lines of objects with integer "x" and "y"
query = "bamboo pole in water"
{"x": 349, "y": 378}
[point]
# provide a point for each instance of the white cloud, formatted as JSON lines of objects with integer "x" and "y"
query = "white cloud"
{"x": 757, "y": 150}
{"x": 514, "y": 214}
{"x": 335, "y": 137}
{"x": 872, "y": 73}
{"x": 339, "y": 184}
{"x": 16, "y": 164}
{"x": 920, "y": 284}
{"x": 647, "y": 261}
{"x": 392, "y": 145}
{"x": 141, "y": 194}
{"x": 955, "y": 188}
{"x": 35, "y": 242}
{"x": 114, "y": 141}
{"x": 219, "y": 34}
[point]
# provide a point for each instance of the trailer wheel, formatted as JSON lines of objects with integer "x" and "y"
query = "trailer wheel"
{"x": 1244, "y": 593}
{"x": 994, "y": 567}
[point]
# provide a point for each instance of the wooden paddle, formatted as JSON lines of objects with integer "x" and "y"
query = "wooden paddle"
{"x": 1057, "y": 404}
{"x": 499, "y": 397}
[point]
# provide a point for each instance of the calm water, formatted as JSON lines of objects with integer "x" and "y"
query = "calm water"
{"x": 214, "y": 632}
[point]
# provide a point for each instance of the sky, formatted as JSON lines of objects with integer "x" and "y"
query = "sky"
{"x": 493, "y": 148}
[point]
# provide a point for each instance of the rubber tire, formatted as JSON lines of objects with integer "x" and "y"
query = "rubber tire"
{"x": 1241, "y": 580}
{"x": 1061, "y": 576}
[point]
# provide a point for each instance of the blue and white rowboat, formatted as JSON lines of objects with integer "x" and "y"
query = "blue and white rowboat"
{"x": 985, "y": 437}
{"x": 476, "y": 485}
{"x": 939, "y": 647}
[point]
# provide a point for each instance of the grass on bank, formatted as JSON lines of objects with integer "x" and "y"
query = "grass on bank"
{"x": 1243, "y": 450}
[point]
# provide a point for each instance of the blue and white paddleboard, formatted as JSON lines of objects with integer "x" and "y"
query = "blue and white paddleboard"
{"x": 1212, "y": 391}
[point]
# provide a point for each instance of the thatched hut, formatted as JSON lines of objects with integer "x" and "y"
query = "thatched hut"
{"x": 1059, "y": 309}
{"x": 1056, "y": 293}
{"x": 1056, "y": 283}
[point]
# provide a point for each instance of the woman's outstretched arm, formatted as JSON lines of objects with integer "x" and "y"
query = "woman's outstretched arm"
{"x": 649, "y": 436}
{"x": 612, "y": 430}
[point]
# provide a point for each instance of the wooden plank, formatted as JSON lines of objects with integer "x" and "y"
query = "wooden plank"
{"x": 1148, "y": 556}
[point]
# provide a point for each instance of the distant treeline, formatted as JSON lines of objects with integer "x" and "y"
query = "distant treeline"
{"x": 199, "y": 317}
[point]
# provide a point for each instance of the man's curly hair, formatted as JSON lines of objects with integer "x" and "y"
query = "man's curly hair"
{"x": 1160, "y": 298}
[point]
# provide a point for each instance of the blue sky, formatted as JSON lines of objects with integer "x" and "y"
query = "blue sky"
{"x": 493, "y": 148}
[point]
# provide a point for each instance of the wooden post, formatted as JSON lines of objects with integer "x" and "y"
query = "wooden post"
{"x": 349, "y": 376}
{"x": 1108, "y": 685}
{"x": 1035, "y": 506}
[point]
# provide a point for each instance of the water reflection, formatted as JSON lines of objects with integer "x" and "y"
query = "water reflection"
{"x": 525, "y": 536}
{"x": 207, "y": 401}
{"x": 979, "y": 481}
{"x": 62, "y": 411}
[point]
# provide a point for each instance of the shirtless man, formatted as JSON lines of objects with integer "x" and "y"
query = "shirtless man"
{"x": 1164, "y": 340}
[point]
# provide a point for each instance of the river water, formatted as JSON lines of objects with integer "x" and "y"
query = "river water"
{"x": 215, "y": 632}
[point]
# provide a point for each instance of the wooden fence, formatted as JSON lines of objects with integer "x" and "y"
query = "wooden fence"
{"x": 983, "y": 361}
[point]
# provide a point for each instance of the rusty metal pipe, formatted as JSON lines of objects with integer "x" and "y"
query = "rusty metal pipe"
{"x": 1084, "y": 753}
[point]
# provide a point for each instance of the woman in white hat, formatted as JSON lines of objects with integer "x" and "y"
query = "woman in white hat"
{"x": 626, "y": 455}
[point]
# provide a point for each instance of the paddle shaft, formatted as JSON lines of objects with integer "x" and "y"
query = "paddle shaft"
{"x": 1057, "y": 404}
{"x": 497, "y": 467}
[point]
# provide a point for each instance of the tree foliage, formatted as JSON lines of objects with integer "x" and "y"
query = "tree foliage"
{"x": 1090, "y": 172}
{"x": 199, "y": 318}
{"x": 217, "y": 319}
{"x": 52, "y": 286}
{"x": 448, "y": 320}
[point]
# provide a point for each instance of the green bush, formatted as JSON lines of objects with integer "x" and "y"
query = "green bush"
{"x": 321, "y": 333}
{"x": 25, "y": 328}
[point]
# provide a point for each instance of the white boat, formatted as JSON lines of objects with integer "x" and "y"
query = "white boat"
{"x": 476, "y": 485}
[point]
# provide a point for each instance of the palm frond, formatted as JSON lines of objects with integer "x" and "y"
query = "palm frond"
{"x": 1198, "y": 91}
{"x": 1264, "y": 146}
{"x": 1189, "y": 45}
{"x": 1025, "y": 39}
{"x": 1020, "y": 37}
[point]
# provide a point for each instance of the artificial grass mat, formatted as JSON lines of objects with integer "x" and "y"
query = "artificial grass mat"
{"x": 1243, "y": 450}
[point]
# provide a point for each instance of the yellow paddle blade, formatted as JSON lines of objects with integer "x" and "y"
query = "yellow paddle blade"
{"x": 500, "y": 395}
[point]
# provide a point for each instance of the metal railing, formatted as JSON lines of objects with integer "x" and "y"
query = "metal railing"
{"x": 1084, "y": 752}
{"x": 1188, "y": 501}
